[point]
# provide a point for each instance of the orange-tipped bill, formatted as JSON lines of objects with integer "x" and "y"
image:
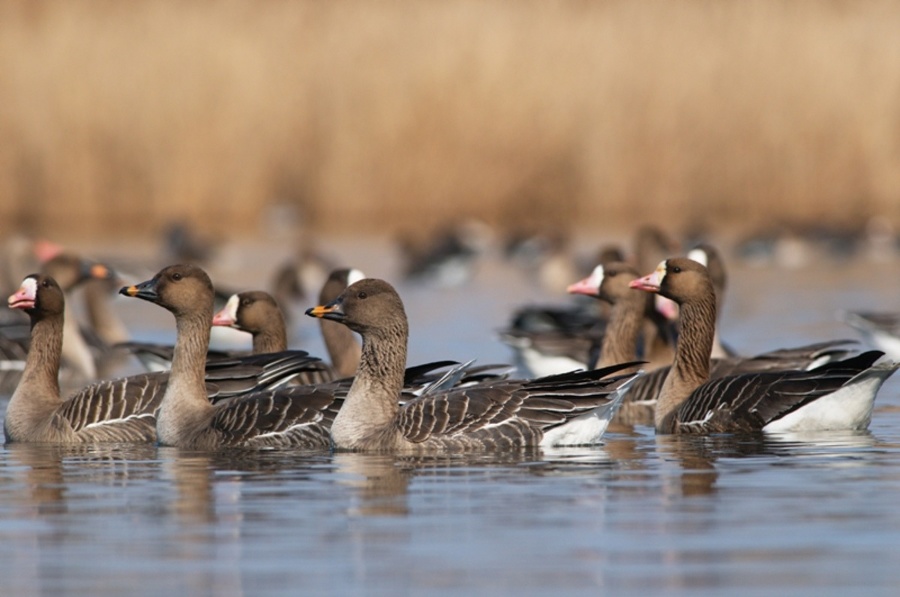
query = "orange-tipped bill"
{"x": 144, "y": 290}
{"x": 330, "y": 311}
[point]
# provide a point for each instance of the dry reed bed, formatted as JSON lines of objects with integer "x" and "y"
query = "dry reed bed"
{"x": 117, "y": 116}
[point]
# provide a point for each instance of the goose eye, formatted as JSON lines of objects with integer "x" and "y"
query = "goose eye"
{"x": 676, "y": 269}
{"x": 361, "y": 294}
{"x": 176, "y": 276}
{"x": 245, "y": 302}
{"x": 45, "y": 283}
{"x": 612, "y": 274}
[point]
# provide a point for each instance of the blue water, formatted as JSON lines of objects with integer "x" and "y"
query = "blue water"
{"x": 638, "y": 515}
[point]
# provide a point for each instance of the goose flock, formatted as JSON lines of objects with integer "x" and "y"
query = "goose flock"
{"x": 639, "y": 345}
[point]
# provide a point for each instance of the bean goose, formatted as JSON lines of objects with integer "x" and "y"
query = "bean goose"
{"x": 567, "y": 409}
{"x": 837, "y": 395}
{"x": 620, "y": 343}
{"x": 117, "y": 410}
{"x": 297, "y": 416}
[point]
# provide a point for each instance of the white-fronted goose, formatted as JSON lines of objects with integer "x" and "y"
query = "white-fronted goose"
{"x": 838, "y": 395}
{"x": 297, "y": 416}
{"x": 612, "y": 284}
{"x": 36, "y": 412}
{"x": 117, "y": 410}
{"x": 257, "y": 313}
{"x": 561, "y": 410}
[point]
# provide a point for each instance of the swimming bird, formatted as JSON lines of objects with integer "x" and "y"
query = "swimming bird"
{"x": 294, "y": 416}
{"x": 115, "y": 410}
{"x": 838, "y": 395}
{"x": 566, "y": 409}
{"x": 623, "y": 334}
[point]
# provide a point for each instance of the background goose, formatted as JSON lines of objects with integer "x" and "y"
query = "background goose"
{"x": 710, "y": 257}
{"x": 342, "y": 346}
{"x": 116, "y": 410}
{"x": 838, "y": 395}
{"x": 70, "y": 270}
{"x": 566, "y": 409}
{"x": 257, "y": 313}
{"x": 621, "y": 341}
{"x": 296, "y": 416}
{"x": 550, "y": 340}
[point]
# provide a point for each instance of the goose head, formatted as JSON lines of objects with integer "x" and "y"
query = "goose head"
{"x": 38, "y": 294}
{"x": 177, "y": 288}
{"x": 679, "y": 279}
{"x": 369, "y": 306}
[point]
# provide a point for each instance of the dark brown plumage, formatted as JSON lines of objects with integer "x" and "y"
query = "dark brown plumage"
{"x": 503, "y": 414}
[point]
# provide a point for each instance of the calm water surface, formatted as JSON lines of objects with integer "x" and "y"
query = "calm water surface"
{"x": 639, "y": 515}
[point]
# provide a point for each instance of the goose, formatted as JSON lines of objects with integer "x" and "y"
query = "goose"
{"x": 560, "y": 410}
{"x": 294, "y": 416}
{"x": 257, "y": 312}
{"x": 612, "y": 283}
{"x": 550, "y": 340}
{"x": 834, "y": 396}
{"x": 70, "y": 270}
{"x": 115, "y": 410}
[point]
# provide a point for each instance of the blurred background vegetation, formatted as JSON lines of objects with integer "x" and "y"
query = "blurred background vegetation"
{"x": 119, "y": 117}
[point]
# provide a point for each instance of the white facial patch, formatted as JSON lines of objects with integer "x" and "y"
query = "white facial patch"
{"x": 354, "y": 276}
{"x": 596, "y": 277}
{"x": 29, "y": 285}
{"x": 700, "y": 256}
{"x": 231, "y": 307}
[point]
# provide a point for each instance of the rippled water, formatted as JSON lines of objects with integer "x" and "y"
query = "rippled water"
{"x": 639, "y": 515}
